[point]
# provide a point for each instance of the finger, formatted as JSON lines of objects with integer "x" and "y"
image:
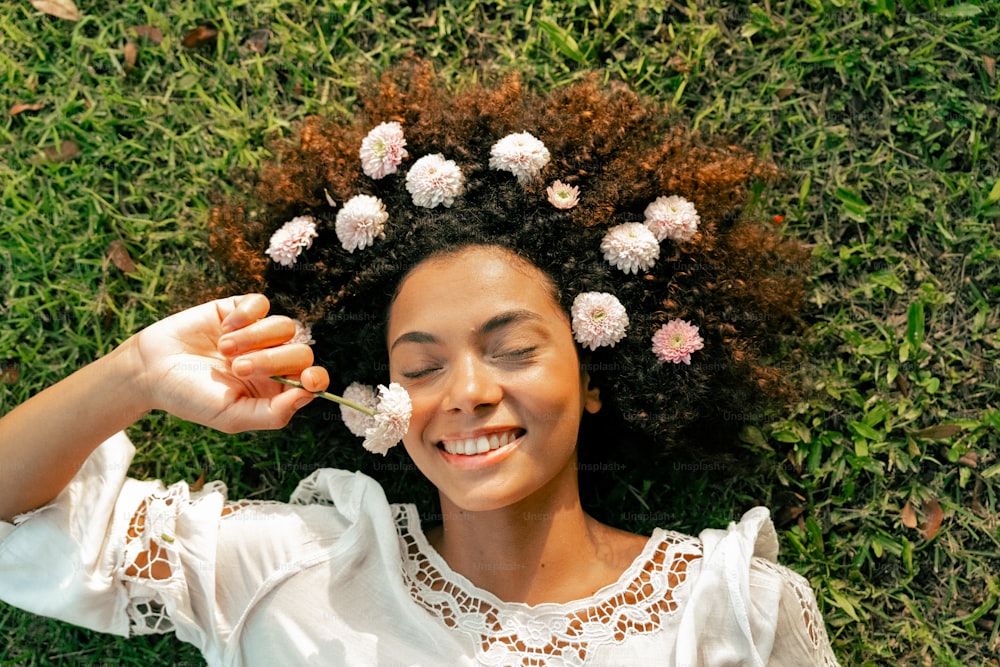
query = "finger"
{"x": 289, "y": 359}
{"x": 315, "y": 378}
{"x": 238, "y": 311}
{"x": 266, "y": 413}
{"x": 264, "y": 333}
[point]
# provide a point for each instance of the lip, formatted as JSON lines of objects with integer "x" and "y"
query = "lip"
{"x": 492, "y": 457}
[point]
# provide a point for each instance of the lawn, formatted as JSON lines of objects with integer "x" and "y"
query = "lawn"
{"x": 881, "y": 115}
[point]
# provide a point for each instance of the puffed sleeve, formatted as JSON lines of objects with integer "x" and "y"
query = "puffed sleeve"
{"x": 123, "y": 556}
{"x": 60, "y": 560}
{"x": 745, "y": 609}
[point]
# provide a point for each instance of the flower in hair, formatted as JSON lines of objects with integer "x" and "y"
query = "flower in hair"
{"x": 357, "y": 421}
{"x": 392, "y": 419}
{"x": 287, "y": 243}
{"x": 361, "y": 221}
{"x": 673, "y": 218}
{"x": 303, "y": 334}
{"x": 676, "y": 340}
{"x": 630, "y": 247}
{"x": 432, "y": 180}
{"x": 563, "y": 196}
{"x": 599, "y": 319}
{"x": 521, "y": 154}
{"x": 382, "y": 150}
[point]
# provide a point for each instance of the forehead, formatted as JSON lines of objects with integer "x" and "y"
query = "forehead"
{"x": 472, "y": 283}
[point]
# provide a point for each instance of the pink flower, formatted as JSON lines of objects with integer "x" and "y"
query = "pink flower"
{"x": 599, "y": 319}
{"x": 356, "y": 420}
{"x": 521, "y": 154}
{"x": 563, "y": 196}
{"x": 303, "y": 334}
{"x": 676, "y": 340}
{"x": 382, "y": 150}
{"x": 361, "y": 221}
{"x": 673, "y": 218}
{"x": 287, "y": 243}
{"x": 432, "y": 180}
{"x": 392, "y": 419}
{"x": 630, "y": 247}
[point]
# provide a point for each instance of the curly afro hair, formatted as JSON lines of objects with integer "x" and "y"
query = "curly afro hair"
{"x": 736, "y": 279}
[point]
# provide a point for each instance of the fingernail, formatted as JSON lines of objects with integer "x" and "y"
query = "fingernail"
{"x": 227, "y": 346}
{"x": 243, "y": 367}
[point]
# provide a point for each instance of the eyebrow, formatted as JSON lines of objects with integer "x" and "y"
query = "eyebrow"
{"x": 496, "y": 322}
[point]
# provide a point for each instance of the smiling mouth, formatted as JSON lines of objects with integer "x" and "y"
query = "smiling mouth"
{"x": 481, "y": 444}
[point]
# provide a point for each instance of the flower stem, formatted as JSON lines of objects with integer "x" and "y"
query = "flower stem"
{"x": 328, "y": 396}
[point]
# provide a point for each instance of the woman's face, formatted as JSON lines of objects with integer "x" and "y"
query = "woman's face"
{"x": 488, "y": 358}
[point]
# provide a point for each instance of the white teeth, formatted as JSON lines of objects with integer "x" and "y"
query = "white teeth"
{"x": 480, "y": 445}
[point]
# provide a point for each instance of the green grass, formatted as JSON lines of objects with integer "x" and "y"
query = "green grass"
{"x": 883, "y": 116}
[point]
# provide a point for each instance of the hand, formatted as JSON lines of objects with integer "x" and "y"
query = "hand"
{"x": 211, "y": 365}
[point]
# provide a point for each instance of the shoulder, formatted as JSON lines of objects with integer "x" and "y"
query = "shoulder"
{"x": 800, "y": 634}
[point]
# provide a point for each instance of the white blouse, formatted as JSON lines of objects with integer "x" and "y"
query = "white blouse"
{"x": 338, "y": 576}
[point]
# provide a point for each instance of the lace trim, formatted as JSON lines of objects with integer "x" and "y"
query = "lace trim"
{"x": 150, "y": 556}
{"x": 811, "y": 618}
{"x": 516, "y": 634}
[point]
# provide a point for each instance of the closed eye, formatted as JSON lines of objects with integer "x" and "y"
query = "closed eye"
{"x": 414, "y": 375}
{"x": 516, "y": 355}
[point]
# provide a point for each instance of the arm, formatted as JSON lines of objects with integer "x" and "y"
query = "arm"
{"x": 209, "y": 364}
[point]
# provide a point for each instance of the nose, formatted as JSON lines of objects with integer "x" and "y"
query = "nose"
{"x": 472, "y": 385}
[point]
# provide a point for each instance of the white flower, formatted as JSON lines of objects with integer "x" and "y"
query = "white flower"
{"x": 599, "y": 319}
{"x": 361, "y": 221}
{"x": 382, "y": 150}
{"x": 563, "y": 196}
{"x": 521, "y": 154}
{"x": 391, "y": 421}
{"x": 357, "y": 421}
{"x": 673, "y": 218}
{"x": 630, "y": 247}
{"x": 303, "y": 334}
{"x": 432, "y": 180}
{"x": 287, "y": 243}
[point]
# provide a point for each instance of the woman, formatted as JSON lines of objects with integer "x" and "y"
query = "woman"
{"x": 530, "y": 322}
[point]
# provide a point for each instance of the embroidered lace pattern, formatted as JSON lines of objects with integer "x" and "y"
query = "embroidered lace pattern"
{"x": 150, "y": 557}
{"x": 515, "y": 634}
{"x": 811, "y": 619}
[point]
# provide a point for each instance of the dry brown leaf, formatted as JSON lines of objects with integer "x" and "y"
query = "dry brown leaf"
{"x": 131, "y": 55}
{"x": 258, "y": 40}
{"x": 152, "y": 33}
{"x": 990, "y": 64}
{"x": 64, "y": 152}
{"x": 118, "y": 254}
{"x": 63, "y": 9}
{"x": 199, "y": 483}
{"x": 935, "y": 516}
{"x": 970, "y": 459}
{"x": 908, "y": 515}
{"x": 203, "y": 35}
{"x": 938, "y": 432}
{"x": 21, "y": 107}
{"x": 10, "y": 371}
{"x": 784, "y": 92}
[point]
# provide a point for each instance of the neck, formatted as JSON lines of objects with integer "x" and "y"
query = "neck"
{"x": 544, "y": 548}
